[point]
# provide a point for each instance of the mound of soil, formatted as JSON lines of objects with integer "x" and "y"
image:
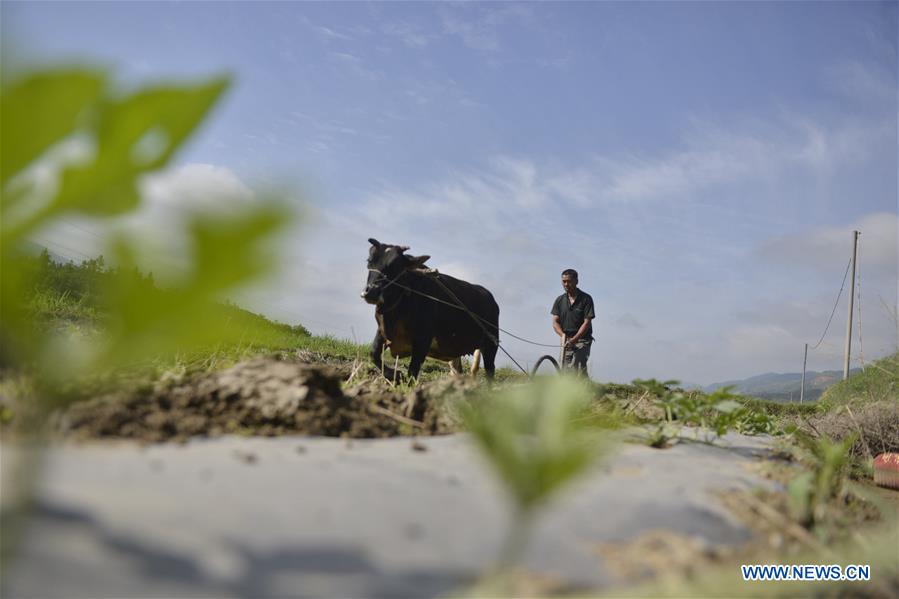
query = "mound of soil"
{"x": 266, "y": 396}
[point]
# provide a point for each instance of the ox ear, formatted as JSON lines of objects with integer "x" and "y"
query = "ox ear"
{"x": 417, "y": 261}
{"x": 374, "y": 242}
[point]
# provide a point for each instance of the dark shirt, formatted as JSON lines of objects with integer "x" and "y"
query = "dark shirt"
{"x": 571, "y": 316}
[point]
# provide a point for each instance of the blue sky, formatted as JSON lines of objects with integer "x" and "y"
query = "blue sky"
{"x": 701, "y": 164}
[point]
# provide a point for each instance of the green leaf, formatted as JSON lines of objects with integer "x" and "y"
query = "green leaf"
{"x": 727, "y": 406}
{"x": 536, "y": 437}
{"x": 799, "y": 496}
{"x": 134, "y": 135}
{"x": 228, "y": 252}
{"x": 41, "y": 110}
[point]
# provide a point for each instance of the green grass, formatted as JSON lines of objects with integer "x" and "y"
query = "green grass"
{"x": 877, "y": 382}
{"x": 332, "y": 346}
{"x": 66, "y": 299}
{"x": 49, "y": 306}
{"x": 777, "y": 409}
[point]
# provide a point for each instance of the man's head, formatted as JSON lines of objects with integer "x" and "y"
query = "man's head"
{"x": 569, "y": 280}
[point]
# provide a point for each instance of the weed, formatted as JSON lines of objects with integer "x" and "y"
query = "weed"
{"x": 662, "y": 434}
{"x": 716, "y": 412}
{"x": 812, "y": 492}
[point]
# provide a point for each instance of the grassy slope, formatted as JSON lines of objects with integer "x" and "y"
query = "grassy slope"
{"x": 877, "y": 382}
{"x": 65, "y": 299}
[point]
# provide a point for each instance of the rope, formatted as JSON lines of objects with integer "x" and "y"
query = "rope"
{"x": 451, "y": 305}
{"x": 834, "y": 306}
{"x": 477, "y": 319}
{"x": 526, "y": 340}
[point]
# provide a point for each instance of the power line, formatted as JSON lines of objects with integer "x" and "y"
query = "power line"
{"x": 66, "y": 248}
{"x": 835, "y": 304}
{"x": 475, "y": 316}
{"x": 69, "y": 223}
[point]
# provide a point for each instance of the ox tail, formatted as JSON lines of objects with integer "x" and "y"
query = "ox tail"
{"x": 475, "y": 362}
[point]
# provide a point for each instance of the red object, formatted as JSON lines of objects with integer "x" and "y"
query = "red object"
{"x": 886, "y": 470}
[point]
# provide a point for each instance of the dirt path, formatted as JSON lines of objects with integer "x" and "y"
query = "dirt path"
{"x": 325, "y": 517}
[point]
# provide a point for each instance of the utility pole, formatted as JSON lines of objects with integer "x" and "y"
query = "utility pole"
{"x": 802, "y": 387}
{"x": 851, "y": 302}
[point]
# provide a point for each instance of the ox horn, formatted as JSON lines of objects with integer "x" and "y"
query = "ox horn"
{"x": 418, "y": 261}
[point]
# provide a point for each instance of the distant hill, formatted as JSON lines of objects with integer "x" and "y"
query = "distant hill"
{"x": 784, "y": 387}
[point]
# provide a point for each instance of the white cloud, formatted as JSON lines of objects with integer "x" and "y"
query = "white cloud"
{"x": 194, "y": 187}
{"x": 478, "y": 26}
{"x": 828, "y": 248}
{"x": 798, "y": 312}
{"x": 169, "y": 199}
{"x": 510, "y": 188}
{"x": 346, "y": 57}
{"x": 865, "y": 83}
{"x": 424, "y": 93}
{"x": 466, "y": 272}
{"x": 329, "y": 33}
{"x": 712, "y": 156}
{"x": 509, "y": 185}
{"x": 562, "y": 63}
{"x": 767, "y": 345}
{"x": 409, "y": 34}
{"x": 356, "y": 65}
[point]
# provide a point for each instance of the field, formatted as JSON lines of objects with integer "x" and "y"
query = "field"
{"x": 280, "y": 381}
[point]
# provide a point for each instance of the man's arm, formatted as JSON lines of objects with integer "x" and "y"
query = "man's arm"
{"x": 557, "y": 326}
{"x": 580, "y": 331}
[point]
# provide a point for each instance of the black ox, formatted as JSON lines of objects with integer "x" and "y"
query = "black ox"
{"x": 411, "y": 324}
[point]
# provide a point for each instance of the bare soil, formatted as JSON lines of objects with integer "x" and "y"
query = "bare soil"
{"x": 267, "y": 396}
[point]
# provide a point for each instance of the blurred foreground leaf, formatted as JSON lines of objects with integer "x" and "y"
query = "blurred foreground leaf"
{"x": 228, "y": 252}
{"x": 134, "y": 135}
{"x": 537, "y": 437}
{"x": 118, "y": 139}
{"x": 121, "y": 138}
{"x": 125, "y": 138}
{"x": 39, "y": 110}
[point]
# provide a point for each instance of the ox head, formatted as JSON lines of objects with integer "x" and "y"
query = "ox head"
{"x": 386, "y": 264}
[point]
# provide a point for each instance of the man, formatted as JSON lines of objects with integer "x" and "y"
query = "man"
{"x": 572, "y": 319}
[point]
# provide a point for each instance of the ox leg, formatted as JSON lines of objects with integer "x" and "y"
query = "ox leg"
{"x": 455, "y": 366}
{"x": 475, "y": 363}
{"x": 421, "y": 344}
{"x": 488, "y": 352}
{"x": 377, "y": 349}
